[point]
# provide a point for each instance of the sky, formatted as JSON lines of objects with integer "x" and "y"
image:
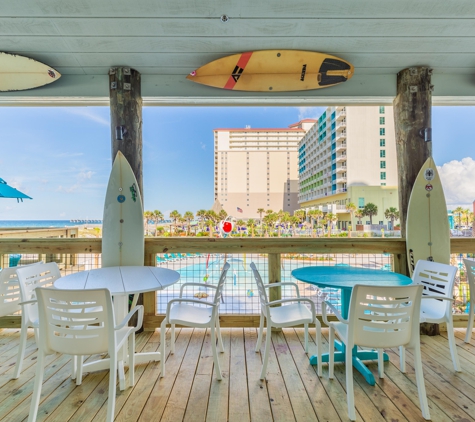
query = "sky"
{"x": 61, "y": 156}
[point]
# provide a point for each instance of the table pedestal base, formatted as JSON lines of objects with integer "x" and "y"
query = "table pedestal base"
{"x": 358, "y": 357}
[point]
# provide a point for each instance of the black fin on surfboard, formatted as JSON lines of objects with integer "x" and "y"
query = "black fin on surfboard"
{"x": 332, "y": 64}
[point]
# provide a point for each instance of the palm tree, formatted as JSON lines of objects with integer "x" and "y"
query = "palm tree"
{"x": 300, "y": 214}
{"x": 351, "y": 208}
{"x": 157, "y": 216}
{"x": 391, "y": 214}
{"x": 261, "y": 211}
{"x": 210, "y": 224}
{"x": 222, "y": 215}
{"x": 188, "y": 216}
{"x": 330, "y": 219}
{"x": 466, "y": 216}
{"x": 458, "y": 212}
{"x": 270, "y": 219}
{"x": 147, "y": 216}
{"x": 201, "y": 215}
{"x": 370, "y": 210}
{"x": 294, "y": 221}
{"x": 175, "y": 216}
{"x": 240, "y": 224}
{"x": 359, "y": 215}
{"x": 251, "y": 223}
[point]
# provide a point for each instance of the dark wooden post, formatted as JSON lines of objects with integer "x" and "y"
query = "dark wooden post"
{"x": 126, "y": 123}
{"x": 275, "y": 276}
{"x": 126, "y": 117}
{"x": 412, "y": 114}
{"x": 412, "y": 122}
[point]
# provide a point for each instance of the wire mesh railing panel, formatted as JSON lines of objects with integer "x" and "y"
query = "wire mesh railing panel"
{"x": 239, "y": 293}
{"x": 461, "y": 289}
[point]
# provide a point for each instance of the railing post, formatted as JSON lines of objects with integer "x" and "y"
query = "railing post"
{"x": 149, "y": 298}
{"x": 275, "y": 276}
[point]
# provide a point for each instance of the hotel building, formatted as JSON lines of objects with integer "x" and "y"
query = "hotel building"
{"x": 257, "y": 168}
{"x": 349, "y": 156}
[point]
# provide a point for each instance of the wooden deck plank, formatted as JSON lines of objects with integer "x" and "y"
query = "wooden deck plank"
{"x": 190, "y": 392}
{"x": 219, "y": 391}
{"x": 238, "y": 390}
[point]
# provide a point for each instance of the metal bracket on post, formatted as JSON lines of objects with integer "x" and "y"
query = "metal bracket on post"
{"x": 426, "y": 134}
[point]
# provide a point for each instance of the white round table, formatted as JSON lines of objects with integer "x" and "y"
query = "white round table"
{"x": 121, "y": 281}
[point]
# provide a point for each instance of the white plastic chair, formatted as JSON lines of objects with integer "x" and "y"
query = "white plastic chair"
{"x": 437, "y": 297}
{"x": 379, "y": 317}
{"x": 296, "y": 313}
{"x": 10, "y": 290}
{"x": 183, "y": 312}
{"x": 470, "y": 271}
{"x": 29, "y": 278}
{"x": 81, "y": 322}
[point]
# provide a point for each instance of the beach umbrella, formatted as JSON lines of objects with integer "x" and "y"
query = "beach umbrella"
{"x": 7, "y": 191}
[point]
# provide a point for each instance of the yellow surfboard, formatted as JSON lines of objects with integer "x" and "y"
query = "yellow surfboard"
{"x": 18, "y": 73}
{"x": 427, "y": 225}
{"x": 274, "y": 70}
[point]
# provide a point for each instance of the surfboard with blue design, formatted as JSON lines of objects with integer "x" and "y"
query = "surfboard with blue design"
{"x": 122, "y": 228}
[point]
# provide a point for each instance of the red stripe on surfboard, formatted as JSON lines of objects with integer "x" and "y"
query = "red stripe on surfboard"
{"x": 242, "y": 62}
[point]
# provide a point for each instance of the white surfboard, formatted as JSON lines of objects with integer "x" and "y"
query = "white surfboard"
{"x": 122, "y": 227}
{"x": 18, "y": 73}
{"x": 427, "y": 225}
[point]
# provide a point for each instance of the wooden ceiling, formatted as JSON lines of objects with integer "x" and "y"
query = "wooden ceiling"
{"x": 167, "y": 39}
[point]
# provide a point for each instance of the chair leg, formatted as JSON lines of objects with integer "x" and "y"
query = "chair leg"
{"x": 220, "y": 338}
{"x": 380, "y": 363}
{"x": 172, "y": 341}
{"x": 402, "y": 359}
{"x": 79, "y": 360}
{"x": 266, "y": 351}
{"x": 163, "y": 328}
{"x": 468, "y": 334}
{"x": 318, "y": 340}
{"x": 259, "y": 334}
{"x": 132, "y": 359}
{"x": 215, "y": 354}
{"x": 453, "y": 346}
{"x": 112, "y": 386}
{"x": 350, "y": 394}
{"x": 331, "y": 351}
{"x": 306, "y": 337}
{"x": 35, "y": 398}
{"x": 421, "y": 389}
{"x": 21, "y": 351}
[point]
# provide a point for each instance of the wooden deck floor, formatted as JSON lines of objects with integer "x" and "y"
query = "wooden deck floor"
{"x": 190, "y": 391}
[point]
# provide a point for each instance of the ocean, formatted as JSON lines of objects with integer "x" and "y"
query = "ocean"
{"x": 9, "y": 224}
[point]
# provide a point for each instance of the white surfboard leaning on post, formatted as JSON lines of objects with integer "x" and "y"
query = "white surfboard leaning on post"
{"x": 427, "y": 225}
{"x": 122, "y": 229}
{"x": 18, "y": 73}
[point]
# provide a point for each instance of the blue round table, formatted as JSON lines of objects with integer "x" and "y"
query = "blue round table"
{"x": 344, "y": 278}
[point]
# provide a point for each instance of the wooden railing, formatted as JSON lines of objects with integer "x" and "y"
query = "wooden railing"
{"x": 273, "y": 247}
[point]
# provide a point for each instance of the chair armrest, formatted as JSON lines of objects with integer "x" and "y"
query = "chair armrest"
{"x": 126, "y": 320}
{"x": 438, "y": 297}
{"x": 335, "y": 311}
{"x": 287, "y": 283}
{"x": 302, "y": 299}
{"x": 201, "y": 302}
{"x": 196, "y": 285}
{"x": 28, "y": 302}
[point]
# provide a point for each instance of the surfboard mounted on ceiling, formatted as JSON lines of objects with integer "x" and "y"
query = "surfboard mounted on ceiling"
{"x": 274, "y": 70}
{"x": 18, "y": 73}
{"x": 122, "y": 227}
{"x": 427, "y": 225}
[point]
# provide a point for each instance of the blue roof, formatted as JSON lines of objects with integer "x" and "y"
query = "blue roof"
{"x": 9, "y": 192}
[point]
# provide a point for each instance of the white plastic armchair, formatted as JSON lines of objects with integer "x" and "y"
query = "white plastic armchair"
{"x": 379, "y": 317}
{"x": 81, "y": 322}
{"x": 10, "y": 290}
{"x": 470, "y": 271}
{"x": 183, "y": 311}
{"x": 29, "y": 278}
{"x": 437, "y": 298}
{"x": 295, "y": 313}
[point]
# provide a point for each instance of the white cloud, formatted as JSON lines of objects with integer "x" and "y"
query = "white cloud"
{"x": 310, "y": 112}
{"x": 458, "y": 181}
{"x": 203, "y": 146}
{"x": 88, "y": 114}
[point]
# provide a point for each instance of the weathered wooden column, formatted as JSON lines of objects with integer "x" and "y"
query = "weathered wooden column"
{"x": 412, "y": 122}
{"x": 275, "y": 276}
{"x": 126, "y": 117}
{"x": 126, "y": 126}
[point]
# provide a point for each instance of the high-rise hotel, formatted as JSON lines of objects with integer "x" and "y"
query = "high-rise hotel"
{"x": 257, "y": 168}
{"x": 349, "y": 156}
